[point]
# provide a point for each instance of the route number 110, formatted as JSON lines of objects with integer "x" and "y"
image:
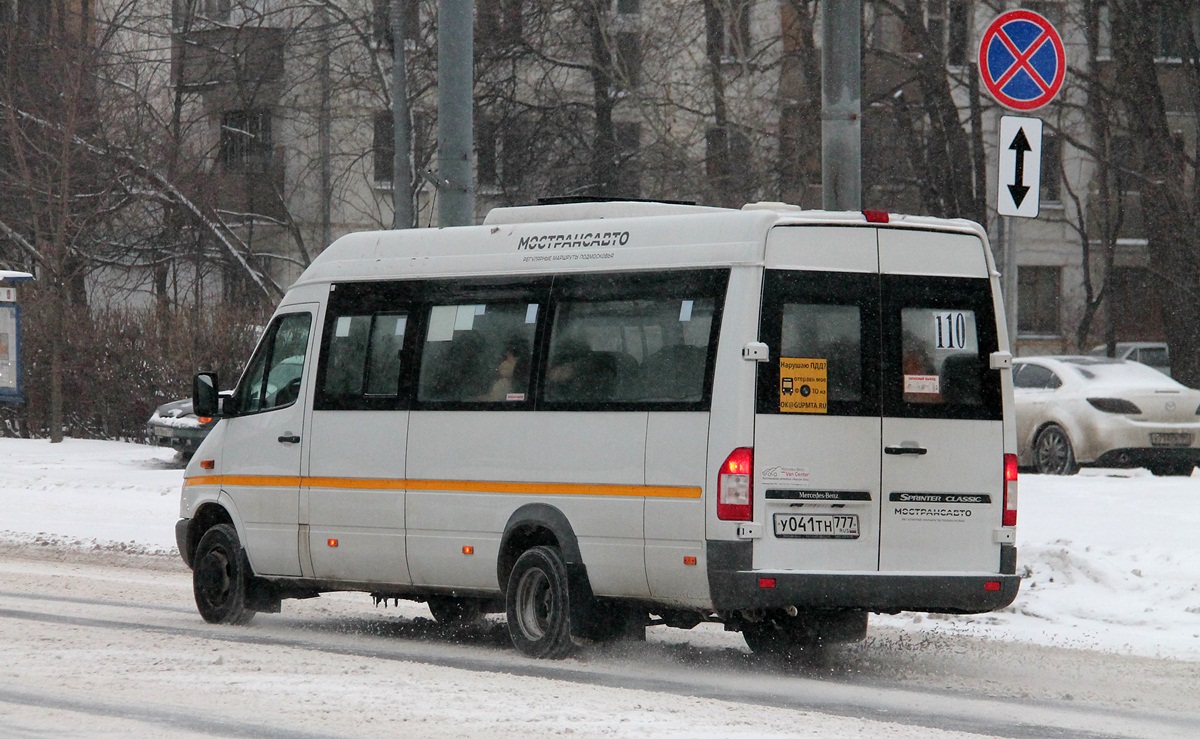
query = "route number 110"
{"x": 951, "y": 330}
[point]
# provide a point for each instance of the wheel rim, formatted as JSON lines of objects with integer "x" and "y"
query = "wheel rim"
{"x": 214, "y": 577}
{"x": 535, "y": 604}
{"x": 1054, "y": 452}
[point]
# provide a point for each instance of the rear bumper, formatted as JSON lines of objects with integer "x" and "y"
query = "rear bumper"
{"x": 735, "y": 587}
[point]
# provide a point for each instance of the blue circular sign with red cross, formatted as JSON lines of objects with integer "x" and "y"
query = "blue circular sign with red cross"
{"x": 1021, "y": 60}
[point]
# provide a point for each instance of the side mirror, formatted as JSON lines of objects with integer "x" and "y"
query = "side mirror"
{"x": 206, "y": 395}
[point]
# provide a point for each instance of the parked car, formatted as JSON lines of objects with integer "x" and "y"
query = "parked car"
{"x": 175, "y": 425}
{"x": 1086, "y": 410}
{"x": 1153, "y": 353}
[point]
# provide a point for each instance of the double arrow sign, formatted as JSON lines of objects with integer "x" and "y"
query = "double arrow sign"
{"x": 1019, "y": 189}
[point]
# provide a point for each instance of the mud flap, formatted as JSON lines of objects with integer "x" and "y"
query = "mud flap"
{"x": 585, "y": 611}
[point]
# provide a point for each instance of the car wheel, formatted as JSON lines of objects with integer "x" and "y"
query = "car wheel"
{"x": 538, "y": 604}
{"x": 1052, "y": 452}
{"x": 452, "y": 611}
{"x": 1173, "y": 468}
{"x": 220, "y": 577}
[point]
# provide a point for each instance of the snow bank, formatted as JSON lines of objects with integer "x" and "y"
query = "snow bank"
{"x": 1111, "y": 563}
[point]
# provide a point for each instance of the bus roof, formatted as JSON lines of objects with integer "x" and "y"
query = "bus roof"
{"x": 583, "y": 237}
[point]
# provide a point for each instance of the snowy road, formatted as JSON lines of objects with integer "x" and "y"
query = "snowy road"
{"x": 110, "y": 644}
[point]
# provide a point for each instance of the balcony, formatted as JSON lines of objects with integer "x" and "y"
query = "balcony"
{"x": 213, "y": 57}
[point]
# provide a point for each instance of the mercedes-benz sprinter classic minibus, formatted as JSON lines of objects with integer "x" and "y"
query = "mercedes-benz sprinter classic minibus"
{"x": 601, "y": 416}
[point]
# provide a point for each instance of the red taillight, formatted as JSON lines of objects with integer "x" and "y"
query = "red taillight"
{"x": 1010, "y": 490}
{"x": 735, "y": 491}
{"x": 876, "y": 216}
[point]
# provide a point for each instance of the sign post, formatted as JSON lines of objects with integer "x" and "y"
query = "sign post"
{"x": 1022, "y": 63}
{"x": 10, "y": 337}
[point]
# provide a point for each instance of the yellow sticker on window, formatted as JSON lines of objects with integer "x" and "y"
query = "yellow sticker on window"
{"x": 803, "y": 385}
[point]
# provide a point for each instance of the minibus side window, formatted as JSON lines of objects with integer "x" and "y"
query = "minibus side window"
{"x": 272, "y": 379}
{"x": 478, "y": 353}
{"x": 629, "y": 351}
{"x": 365, "y": 356}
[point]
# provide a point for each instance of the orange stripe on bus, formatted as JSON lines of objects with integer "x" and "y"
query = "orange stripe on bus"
{"x": 469, "y": 486}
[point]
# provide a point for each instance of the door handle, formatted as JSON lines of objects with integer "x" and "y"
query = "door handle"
{"x": 918, "y": 450}
{"x": 289, "y": 439}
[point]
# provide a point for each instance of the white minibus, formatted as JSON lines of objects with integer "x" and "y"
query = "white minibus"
{"x": 596, "y": 417}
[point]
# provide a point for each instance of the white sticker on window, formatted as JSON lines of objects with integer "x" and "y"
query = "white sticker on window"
{"x": 441, "y": 323}
{"x": 464, "y": 319}
{"x": 401, "y": 324}
{"x": 685, "y": 311}
{"x": 342, "y": 330}
{"x": 531, "y": 313}
{"x": 922, "y": 384}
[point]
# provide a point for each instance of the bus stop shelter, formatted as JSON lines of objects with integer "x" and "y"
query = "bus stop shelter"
{"x": 10, "y": 336}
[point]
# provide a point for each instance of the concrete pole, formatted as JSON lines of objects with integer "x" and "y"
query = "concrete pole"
{"x": 402, "y": 155}
{"x": 841, "y": 105}
{"x": 456, "y": 181}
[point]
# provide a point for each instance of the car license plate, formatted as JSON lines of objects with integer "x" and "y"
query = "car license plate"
{"x": 1179, "y": 438}
{"x": 816, "y": 526}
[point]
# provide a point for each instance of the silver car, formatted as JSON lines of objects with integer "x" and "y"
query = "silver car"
{"x": 1074, "y": 411}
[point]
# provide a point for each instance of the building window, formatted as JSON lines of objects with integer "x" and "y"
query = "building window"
{"x": 1102, "y": 30}
{"x": 728, "y": 160}
{"x": 1169, "y": 22}
{"x": 498, "y": 22}
{"x": 384, "y": 147}
{"x": 214, "y": 10}
{"x": 628, "y": 138}
{"x": 381, "y": 23}
{"x": 1048, "y": 9}
{"x": 628, "y": 60}
{"x": 627, "y": 7}
{"x": 948, "y": 24}
{"x": 1038, "y": 300}
{"x": 489, "y": 152}
{"x": 1051, "y": 168}
{"x": 729, "y": 29}
{"x": 1134, "y": 304}
{"x": 246, "y": 140}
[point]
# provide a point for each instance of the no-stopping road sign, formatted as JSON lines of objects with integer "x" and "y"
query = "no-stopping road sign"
{"x": 1021, "y": 60}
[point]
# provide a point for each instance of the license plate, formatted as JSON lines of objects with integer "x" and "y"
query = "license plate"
{"x": 816, "y": 526}
{"x": 1180, "y": 438}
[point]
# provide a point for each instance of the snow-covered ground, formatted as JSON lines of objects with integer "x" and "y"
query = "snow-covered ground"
{"x": 1112, "y": 558}
{"x": 1112, "y": 565}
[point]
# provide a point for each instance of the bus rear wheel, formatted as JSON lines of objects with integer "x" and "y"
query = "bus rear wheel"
{"x": 538, "y": 604}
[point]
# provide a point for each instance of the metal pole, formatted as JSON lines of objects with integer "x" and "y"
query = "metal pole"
{"x": 402, "y": 155}
{"x": 456, "y": 191}
{"x": 1009, "y": 285}
{"x": 324, "y": 132}
{"x": 841, "y": 105}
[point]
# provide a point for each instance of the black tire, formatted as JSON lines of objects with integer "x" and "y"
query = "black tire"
{"x": 451, "y": 611}
{"x": 1173, "y": 468}
{"x": 220, "y": 577}
{"x": 1052, "y": 452}
{"x": 538, "y": 604}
